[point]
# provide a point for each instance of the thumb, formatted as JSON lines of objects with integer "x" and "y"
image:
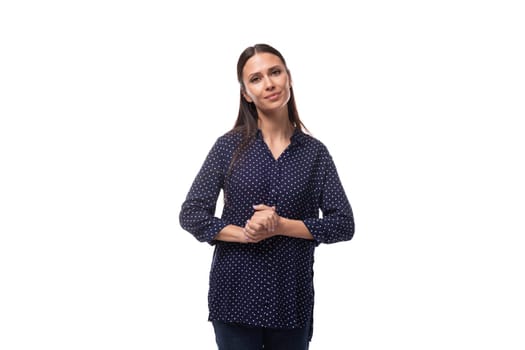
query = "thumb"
{"x": 261, "y": 207}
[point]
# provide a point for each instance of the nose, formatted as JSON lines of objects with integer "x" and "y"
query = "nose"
{"x": 268, "y": 83}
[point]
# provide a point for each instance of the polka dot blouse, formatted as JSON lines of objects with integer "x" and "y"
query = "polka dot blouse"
{"x": 270, "y": 283}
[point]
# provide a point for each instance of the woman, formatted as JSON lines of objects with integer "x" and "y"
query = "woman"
{"x": 275, "y": 179}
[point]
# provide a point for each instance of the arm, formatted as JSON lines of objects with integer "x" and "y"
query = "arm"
{"x": 337, "y": 222}
{"x": 197, "y": 214}
{"x": 294, "y": 228}
{"x": 232, "y": 233}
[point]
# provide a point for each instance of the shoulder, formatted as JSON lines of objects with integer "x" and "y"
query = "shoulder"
{"x": 315, "y": 151}
{"x": 229, "y": 139}
{"x": 312, "y": 143}
{"x": 226, "y": 143}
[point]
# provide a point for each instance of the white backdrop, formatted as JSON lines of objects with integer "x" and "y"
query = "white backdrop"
{"x": 108, "y": 109}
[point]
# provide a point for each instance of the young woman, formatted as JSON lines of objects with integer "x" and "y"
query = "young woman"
{"x": 275, "y": 178}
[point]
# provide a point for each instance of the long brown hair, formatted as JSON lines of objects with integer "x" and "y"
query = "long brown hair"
{"x": 247, "y": 123}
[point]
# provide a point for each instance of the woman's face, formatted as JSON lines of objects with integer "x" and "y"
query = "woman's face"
{"x": 267, "y": 83}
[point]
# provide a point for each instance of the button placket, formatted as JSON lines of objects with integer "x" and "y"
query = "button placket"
{"x": 274, "y": 189}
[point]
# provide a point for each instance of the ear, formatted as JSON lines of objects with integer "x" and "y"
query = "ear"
{"x": 246, "y": 97}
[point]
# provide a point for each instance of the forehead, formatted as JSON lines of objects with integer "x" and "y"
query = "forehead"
{"x": 260, "y": 62}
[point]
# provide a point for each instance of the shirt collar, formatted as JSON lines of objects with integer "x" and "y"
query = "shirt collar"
{"x": 298, "y": 136}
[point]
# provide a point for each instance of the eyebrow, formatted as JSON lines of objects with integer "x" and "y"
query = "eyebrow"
{"x": 268, "y": 70}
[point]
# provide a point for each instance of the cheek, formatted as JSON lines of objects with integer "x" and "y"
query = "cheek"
{"x": 252, "y": 93}
{"x": 286, "y": 83}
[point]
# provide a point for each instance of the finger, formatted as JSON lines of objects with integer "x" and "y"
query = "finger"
{"x": 261, "y": 207}
{"x": 249, "y": 235}
{"x": 255, "y": 226}
{"x": 249, "y": 230}
{"x": 247, "y": 239}
{"x": 253, "y": 235}
{"x": 271, "y": 223}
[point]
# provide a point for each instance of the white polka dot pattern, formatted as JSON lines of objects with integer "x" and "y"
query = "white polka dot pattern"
{"x": 268, "y": 284}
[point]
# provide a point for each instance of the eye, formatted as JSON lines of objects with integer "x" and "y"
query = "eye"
{"x": 276, "y": 72}
{"x": 254, "y": 79}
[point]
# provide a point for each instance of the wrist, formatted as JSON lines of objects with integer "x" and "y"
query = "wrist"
{"x": 280, "y": 227}
{"x": 231, "y": 233}
{"x": 241, "y": 235}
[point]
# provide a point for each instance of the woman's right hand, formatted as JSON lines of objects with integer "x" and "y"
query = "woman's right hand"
{"x": 262, "y": 224}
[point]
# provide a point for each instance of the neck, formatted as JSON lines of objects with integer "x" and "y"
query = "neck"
{"x": 275, "y": 128}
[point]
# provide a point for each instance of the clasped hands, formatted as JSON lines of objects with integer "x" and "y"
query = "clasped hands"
{"x": 262, "y": 225}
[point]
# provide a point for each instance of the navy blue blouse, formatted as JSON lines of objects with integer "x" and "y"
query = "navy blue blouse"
{"x": 270, "y": 283}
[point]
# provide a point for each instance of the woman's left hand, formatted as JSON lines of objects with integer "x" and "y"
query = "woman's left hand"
{"x": 262, "y": 224}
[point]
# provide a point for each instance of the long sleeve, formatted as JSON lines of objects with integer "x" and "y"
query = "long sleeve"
{"x": 267, "y": 284}
{"x": 337, "y": 222}
{"x": 197, "y": 214}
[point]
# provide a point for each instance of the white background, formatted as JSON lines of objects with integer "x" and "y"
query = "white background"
{"x": 108, "y": 109}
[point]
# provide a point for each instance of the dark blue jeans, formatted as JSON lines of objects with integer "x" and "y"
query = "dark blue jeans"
{"x": 233, "y": 336}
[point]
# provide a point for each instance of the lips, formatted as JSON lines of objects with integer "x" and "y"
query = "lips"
{"x": 273, "y": 96}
